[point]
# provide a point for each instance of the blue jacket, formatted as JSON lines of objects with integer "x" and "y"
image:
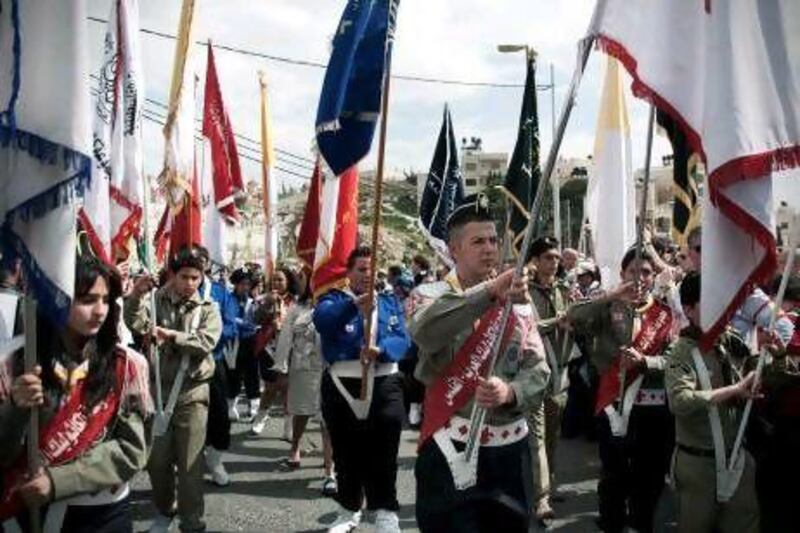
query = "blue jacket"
{"x": 340, "y": 325}
{"x": 228, "y": 310}
{"x": 245, "y": 316}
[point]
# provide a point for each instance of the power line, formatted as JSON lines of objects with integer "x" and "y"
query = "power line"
{"x": 316, "y": 64}
{"x": 236, "y": 134}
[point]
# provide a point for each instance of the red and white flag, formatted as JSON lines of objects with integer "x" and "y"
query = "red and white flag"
{"x": 728, "y": 72}
{"x": 309, "y": 227}
{"x": 338, "y": 230}
{"x": 112, "y": 209}
{"x": 226, "y": 175}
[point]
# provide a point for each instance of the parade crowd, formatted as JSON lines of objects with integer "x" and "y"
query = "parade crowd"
{"x": 621, "y": 366}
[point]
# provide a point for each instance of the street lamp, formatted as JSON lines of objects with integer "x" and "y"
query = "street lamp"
{"x": 530, "y": 53}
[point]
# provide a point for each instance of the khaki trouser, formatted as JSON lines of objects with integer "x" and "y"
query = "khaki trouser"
{"x": 695, "y": 483}
{"x": 181, "y": 450}
{"x": 545, "y": 428}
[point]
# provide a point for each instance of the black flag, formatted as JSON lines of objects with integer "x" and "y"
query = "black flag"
{"x": 685, "y": 212}
{"x": 444, "y": 188}
{"x": 524, "y": 173}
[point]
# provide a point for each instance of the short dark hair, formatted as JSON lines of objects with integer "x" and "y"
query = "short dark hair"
{"x": 357, "y": 253}
{"x": 630, "y": 255}
{"x": 695, "y": 234}
{"x": 422, "y": 262}
{"x": 189, "y": 257}
{"x": 241, "y": 274}
{"x": 541, "y": 245}
{"x": 395, "y": 271}
{"x": 690, "y": 289}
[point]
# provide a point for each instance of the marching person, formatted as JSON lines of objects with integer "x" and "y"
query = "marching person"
{"x": 10, "y": 318}
{"x": 629, "y": 331}
{"x": 365, "y": 437}
{"x": 298, "y": 350}
{"x": 551, "y": 297}
{"x": 241, "y": 363}
{"x": 453, "y": 336}
{"x": 704, "y": 390}
{"x": 94, "y": 402}
{"x": 187, "y": 328}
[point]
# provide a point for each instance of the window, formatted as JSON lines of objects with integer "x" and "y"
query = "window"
{"x": 470, "y": 166}
{"x": 471, "y": 182}
{"x": 496, "y": 165}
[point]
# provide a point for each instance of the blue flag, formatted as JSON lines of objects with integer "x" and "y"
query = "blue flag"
{"x": 444, "y": 188}
{"x": 350, "y": 102}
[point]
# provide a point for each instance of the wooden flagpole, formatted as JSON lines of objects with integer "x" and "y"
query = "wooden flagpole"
{"x": 376, "y": 223}
{"x": 266, "y": 163}
{"x": 31, "y": 360}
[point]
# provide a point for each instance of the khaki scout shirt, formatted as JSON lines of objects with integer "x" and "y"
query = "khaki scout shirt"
{"x": 551, "y": 302}
{"x": 609, "y": 326}
{"x": 177, "y": 313}
{"x": 441, "y": 328}
{"x": 689, "y": 403}
{"x": 114, "y": 460}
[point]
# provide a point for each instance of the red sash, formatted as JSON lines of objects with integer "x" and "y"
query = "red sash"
{"x": 650, "y": 341}
{"x": 70, "y": 433}
{"x": 457, "y": 384}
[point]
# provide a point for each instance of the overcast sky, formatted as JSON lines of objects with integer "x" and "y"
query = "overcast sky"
{"x": 449, "y": 39}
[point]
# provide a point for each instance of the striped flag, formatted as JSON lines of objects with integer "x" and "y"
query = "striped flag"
{"x": 611, "y": 193}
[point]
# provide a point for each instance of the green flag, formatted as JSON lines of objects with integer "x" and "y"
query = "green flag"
{"x": 524, "y": 173}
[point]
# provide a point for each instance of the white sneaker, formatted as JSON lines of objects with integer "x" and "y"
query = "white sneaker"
{"x": 162, "y": 524}
{"x": 259, "y": 421}
{"x": 287, "y": 427}
{"x": 346, "y": 521}
{"x": 254, "y": 404}
{"x": 386, "y": 521}
{"x": 414, "y": 414}
{"x": 233, "y": 413}
{"x": 219, "y": 476}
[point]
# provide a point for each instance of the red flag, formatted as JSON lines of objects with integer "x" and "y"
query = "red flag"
{"x": 338, "y": 230}
{"x": 161, "y": 238}
{"x": 176, "y": 231}
{"x": 224, "y": 157}
{"x": 309, "y": 227}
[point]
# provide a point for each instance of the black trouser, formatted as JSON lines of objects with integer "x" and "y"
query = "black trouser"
{"x": 246, "y": 371}
{"x": 218, "y": 429}
{"x": 365, "y": 451}
{"x": 111, "y": 518}
{"x": 777, "y": 473}
{"x": 633, "y": 468}
{"x": 413, "y": 390}
{"x": 499, "y": 501}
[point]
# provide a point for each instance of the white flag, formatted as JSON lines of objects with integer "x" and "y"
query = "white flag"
{"x": 729, "y": 73}
{"x": 112, "y": 209}
{"x": 611, "y": 192}
{"x": 45, "y": 141}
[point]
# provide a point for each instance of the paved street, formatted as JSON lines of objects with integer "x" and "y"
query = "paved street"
{"x": 266, "y": 496}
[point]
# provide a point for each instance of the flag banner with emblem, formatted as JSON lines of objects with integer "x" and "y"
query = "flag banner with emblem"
{"x": 685, "y": 210}
{"x": 611, "y": 191}
{"x": 444, "y": 189}
{"x": 176, "y": 177}
{"x": 350, "y": 102}
{"x": 338, "y": 230}
{"x": 112, "y": 210}
{"x": 45, "y": 142}
{"x": 309, "y": 226}
{"x": 524, "y": 174}
{"x": 221, "y": 180}
{"x": 727, "y": 73}
{"x": 269, "y": 189}
{"x": 186, "y": 226}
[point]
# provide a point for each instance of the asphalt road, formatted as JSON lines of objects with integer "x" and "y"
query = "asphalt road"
{"x": 266, "y": 496}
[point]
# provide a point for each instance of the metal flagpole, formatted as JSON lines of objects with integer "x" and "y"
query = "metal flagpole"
{"x": 376, "y": 224}
{"x": 556, "y": 181}
{"x": 31, "y": 358}
{"x": 585, "y": 46}
{"x": 787, "y": 270}
{"x": 154, "y": 357}
{"x": 640, "y": 230}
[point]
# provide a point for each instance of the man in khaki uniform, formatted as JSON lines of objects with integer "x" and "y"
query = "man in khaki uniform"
{"x": 551, "y": 299}
{"x": 694, "y": 467}
{"x": 468, "y": 300}
{"x": 187, "y": 329}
